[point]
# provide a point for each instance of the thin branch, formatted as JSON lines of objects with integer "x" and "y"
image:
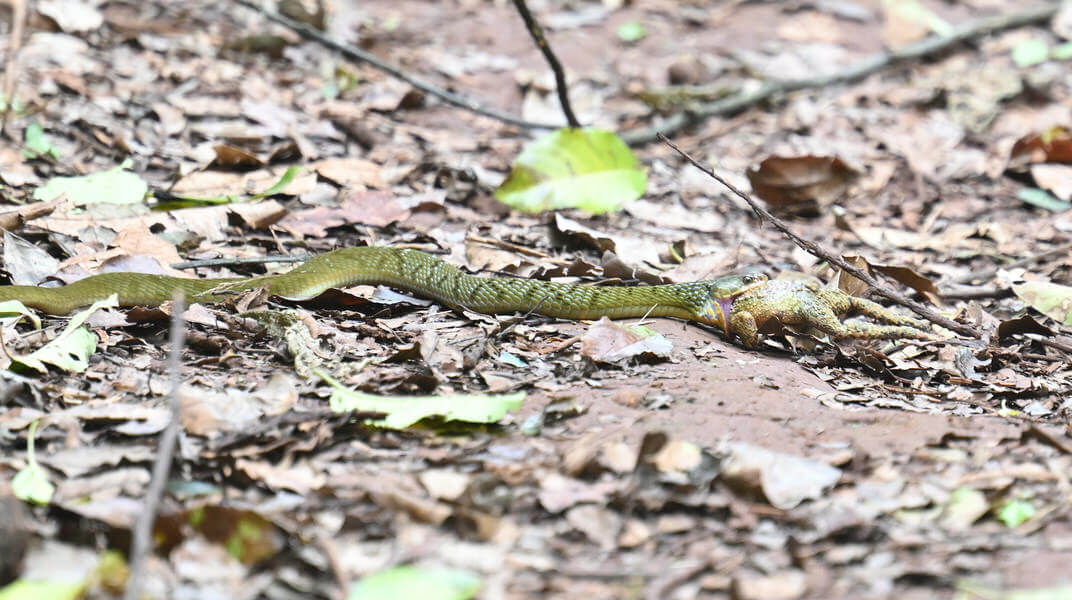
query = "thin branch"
{"x": 816, "y": 250}
{"x": 141, "y": 544}
{"x": 560, "y": 75}
{"x": 352, "y": 52}
{"x": 247, "y": 260}
{"x": 11, "y": 71}
{"x": 923, "y": 48}
{"x": 1057, "y": 252}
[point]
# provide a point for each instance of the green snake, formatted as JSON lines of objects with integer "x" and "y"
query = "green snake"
{"x": 414, "y": 271}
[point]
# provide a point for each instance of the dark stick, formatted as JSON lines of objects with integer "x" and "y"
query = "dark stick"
{"x": 816, "y": 250}
{"x": 872, "y": 64}
{"x": 560, "y": 76}
{"x": 141, "y": 544}
{"x": 311, "y": 33}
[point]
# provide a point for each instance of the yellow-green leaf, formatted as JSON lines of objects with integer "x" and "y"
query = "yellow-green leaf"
{"x": 114, "y": 186}
{"x": 36, "y": 143}
{"x": 1015, "y": 512}
{"x": 1051, "y": 299}
{"x": 590, "y": 169}
{"x": 403, "y": 411}
{"x": 31, "y": 483}
{"x": 414, "y": 582}
{"x": 23, "y": 589}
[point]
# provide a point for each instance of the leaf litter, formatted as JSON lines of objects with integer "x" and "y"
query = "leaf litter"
{"x": 805, "y": 470}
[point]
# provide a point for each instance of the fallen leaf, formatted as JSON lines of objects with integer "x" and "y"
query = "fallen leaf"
{"x": 607, "y": 342}
{"x": 1051, "y": 146}
{"x": 1054, "y": 177}
{"x": 965, "y": 507}
{"x": 590, "y": 169}
{"x": 801, "y": 184}
{"x": 416, "y": 582}
{"x": 70, "y": 350}
{"x": 402, "y": 411}
{"x": 114, "y": 186}
{"x": 1051, "y": 299}
{"x": 785, "y": 480}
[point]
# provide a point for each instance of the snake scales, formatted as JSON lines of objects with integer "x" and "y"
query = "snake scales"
{"x": 412, "y": 270}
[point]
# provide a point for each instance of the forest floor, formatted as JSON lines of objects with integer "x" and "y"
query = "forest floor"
{"x": 803, "y": 469}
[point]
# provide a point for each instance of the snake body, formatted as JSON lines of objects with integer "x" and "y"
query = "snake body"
{"x": 414, "y": 271}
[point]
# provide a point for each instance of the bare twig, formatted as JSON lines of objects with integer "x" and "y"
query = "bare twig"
{"x": 975, "y": 293}
{"x": 927, "y": 47}
{"x": 1050, "y": 342}
{"x": 816, "y": 250}
{"x": 141, "y": 544}
{"x": 1023, "y": 262}
{"x": 18, "y": 25}
{"x": 247, "y": 260}
{"x": 560, "y": 76}
{"x": 368, "y": 58}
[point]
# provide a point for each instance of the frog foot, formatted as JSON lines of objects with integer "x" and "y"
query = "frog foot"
{"x": 805, "y": 304}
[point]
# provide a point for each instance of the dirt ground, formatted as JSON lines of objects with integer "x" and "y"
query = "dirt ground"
{"x": 803, "y": 469}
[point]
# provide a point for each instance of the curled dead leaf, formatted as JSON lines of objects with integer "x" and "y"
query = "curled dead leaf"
{"x": 1051, "y": 146}
{"x": 801, "y": 184}
{"x": 608, "y": 342}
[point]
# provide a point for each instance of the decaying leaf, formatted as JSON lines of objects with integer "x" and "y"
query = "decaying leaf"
{"x": 785, "y": 480}
{"x": 608, "y": 342}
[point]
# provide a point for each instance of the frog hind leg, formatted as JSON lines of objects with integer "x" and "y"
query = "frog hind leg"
{"x": 895, "y": 326}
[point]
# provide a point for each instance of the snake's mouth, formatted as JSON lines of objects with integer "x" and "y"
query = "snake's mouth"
{"x": 724, "y": 306}
{"x": 718, "y": 310}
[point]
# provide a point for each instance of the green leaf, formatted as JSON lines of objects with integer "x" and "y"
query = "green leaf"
{"x": 1031, "y": 51}
{"x": 631, "y": 32}
{"x": 71, "y": 349}
{"x": 1043, "y": 199}
{"x": 278, "y": 187}
{"x": 1051, "y": 299}
{"x": 1062, "y": 51}
{"x": 414, "y": 582}
{"x": 590, "y": 169}
{"x": 114, "y": 186}
{"x": 965, "y": 506}
{"x": 23, "y": 589}
{"x": 970, "y": 590}
{"x": 913, "y": 10}
{"x": 403, "y": 411}
{"x": 31, "y": 484}
{"x": 1015, "y": 512}
{"x": 35, "y": 143}
{"x": 184, "y": 201}
{"x": 14, "y": 308}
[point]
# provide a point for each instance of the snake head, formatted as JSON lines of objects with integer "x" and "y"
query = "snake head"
{"x": 722, "y": 292}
